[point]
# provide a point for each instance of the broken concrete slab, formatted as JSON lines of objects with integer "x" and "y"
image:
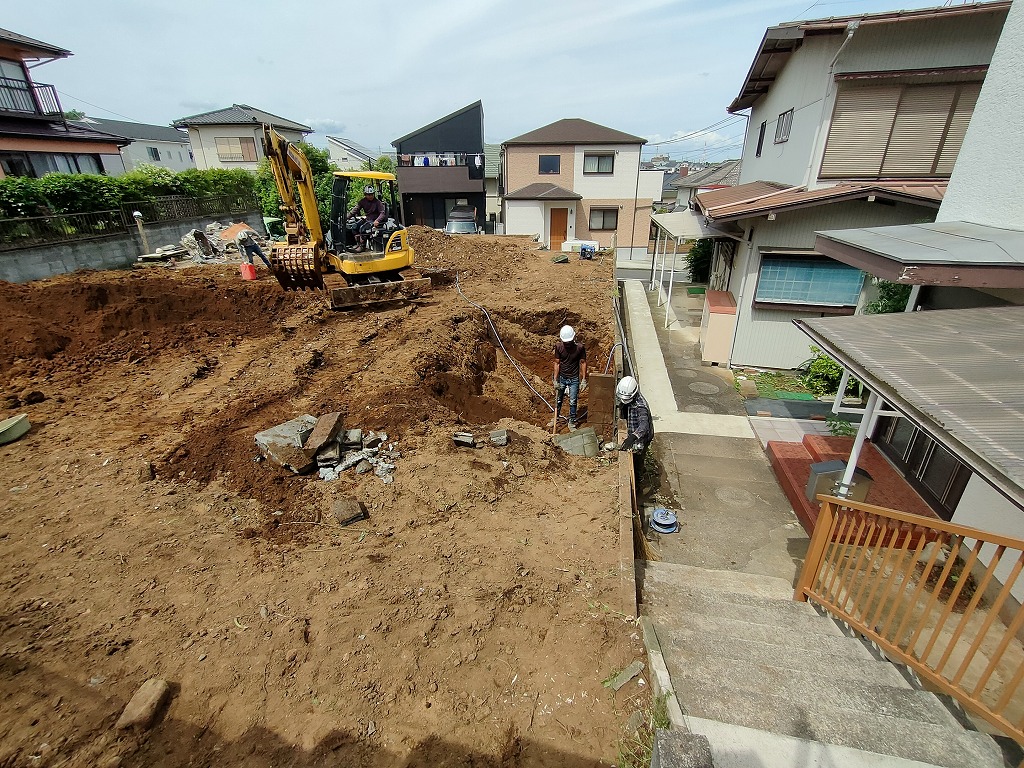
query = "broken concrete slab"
{"x": 464, "y": 439}
{"x": 363, "y": 467}
{"x": 626, "y": 675}
{"x": 283, "y": 444}
{"x": 748, "y": 389}
{"x": 327, "y": 428}
{"x": 582, "y": 442}
{"x": 144, "y": 705}
{"x": 373, "y": 440}
{"x": 352, "y": 459}
{"x": 351, "y": 438}
{"x": 329, "y": 456}
{"x": 348, "y": 511}
{"x": 499, "y": 437}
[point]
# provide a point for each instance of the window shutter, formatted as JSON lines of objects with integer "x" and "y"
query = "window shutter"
{"x": 857, "y": 139}
{"x": 968, "y": 98}
{"x": 917, "y": 131}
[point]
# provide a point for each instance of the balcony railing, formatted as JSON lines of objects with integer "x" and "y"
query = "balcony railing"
{"x": 28, "y": 98}
{"x": 935, "y": 596}
{"x": 435, "y": 159}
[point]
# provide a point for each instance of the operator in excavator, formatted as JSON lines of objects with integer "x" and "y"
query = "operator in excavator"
{"x": 375, "y": 212}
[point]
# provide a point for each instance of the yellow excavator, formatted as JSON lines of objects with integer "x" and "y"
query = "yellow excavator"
{"x": 353, "y": 273}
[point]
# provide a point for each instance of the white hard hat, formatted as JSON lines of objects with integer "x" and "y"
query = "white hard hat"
{"x": 626, "y": 389}
{"x": 368, "y": 189}
{"x": 567, "y": 333}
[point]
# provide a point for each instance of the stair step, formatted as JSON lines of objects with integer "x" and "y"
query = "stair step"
{"x": 734, "y": 746}
{"x": 676, "y": 575}
{"x": 716, "y": 627}
{"x": 713, "y": 676}
{"x": 683, "y": 649}
{"x": 782, "y": 714}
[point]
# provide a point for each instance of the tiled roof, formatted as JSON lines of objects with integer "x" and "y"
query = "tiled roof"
{"x": 573, "y": 130}
{"x": 130, "y": 130}
{"x": 542, "y": 191}
{"x": 31, "y": 45}
{"x": 759, "y": 197}
{"x": 45, "y": 130}
{"x": 240, "y": 114}
{"x": 726, "y": 174}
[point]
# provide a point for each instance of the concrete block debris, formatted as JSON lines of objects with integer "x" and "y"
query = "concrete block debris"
{"x": 499, "y": 437}
{"x": 351, "y": 438}
{"x": 283, "y": 444}
{"x": 374, "y": 440}
{"x": 582, "y": 442}
{"x": 326, "y": 430}
{"x": 352, "y": 459}
{"x": 348, "y": 511}
{"x": 464, "y": 439}
{"x": 625, "y": 675}
{"x": 329, "y": 456}
{"x": 145, "y": 705}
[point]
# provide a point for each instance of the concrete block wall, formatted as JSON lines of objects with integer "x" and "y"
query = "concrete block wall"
{"x": 116, "y": 252}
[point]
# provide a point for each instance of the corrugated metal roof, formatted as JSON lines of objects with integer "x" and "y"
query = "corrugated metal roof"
{"x": 133, "y": 130}
{"x": 541, "y": 191}
{"x": 759, "y": 202}
{"x": 574, "y": 130}
{"x": 940, "y": 242}
{"x": 685, "y": 224}
{"x": 958, "y": 374}
{"x": 240, "y": 114}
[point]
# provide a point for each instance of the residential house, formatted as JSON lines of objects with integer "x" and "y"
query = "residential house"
{"x": 951, "y": 379}
{"x": 669, "y": 190}
{"x": 492, "y": 185}
{"x": 717, "y": 176}
{"x": 233, "y": 137}
{"x": 35, "y": 139}
{"x": 577, "y": 180}
{"x": 854, "y": 122}
{"x": 441, "y": 165}
{"x": 158, "y": 145}
{"x": 349, "y": 155}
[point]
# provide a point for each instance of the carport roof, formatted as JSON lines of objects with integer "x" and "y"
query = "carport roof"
{"x": 957, "y": 374}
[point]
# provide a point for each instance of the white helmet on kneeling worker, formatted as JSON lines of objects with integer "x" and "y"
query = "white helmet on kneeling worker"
{"x": 626, "y": 389}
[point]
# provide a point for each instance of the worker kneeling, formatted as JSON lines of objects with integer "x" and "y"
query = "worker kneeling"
{"x": 639, "y": 424}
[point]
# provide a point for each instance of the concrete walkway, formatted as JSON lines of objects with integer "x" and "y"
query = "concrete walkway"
{"x": 715, "y": 475}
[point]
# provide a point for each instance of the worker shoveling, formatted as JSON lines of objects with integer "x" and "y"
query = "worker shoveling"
{"x": 362, "y": 259}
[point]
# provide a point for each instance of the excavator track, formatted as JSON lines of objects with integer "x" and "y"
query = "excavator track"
{"x": 405, "y": 285}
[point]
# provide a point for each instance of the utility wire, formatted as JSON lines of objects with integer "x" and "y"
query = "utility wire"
{"x": 97, "y": 106}
{"x": 731, "y": 120}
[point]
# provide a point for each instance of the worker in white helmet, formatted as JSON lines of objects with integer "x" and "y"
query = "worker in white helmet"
{"x": 570, "y": 372}
{"x": 639, "y": 424}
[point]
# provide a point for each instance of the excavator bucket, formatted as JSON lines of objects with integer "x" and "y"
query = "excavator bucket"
{"x": 345, "y": 296}
{"x": 297, "y": 267}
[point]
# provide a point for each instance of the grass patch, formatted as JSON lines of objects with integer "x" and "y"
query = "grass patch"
{"x": 635, "y": 748}
{"x": 776, "y": 385}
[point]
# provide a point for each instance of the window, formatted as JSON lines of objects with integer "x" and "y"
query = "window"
{"x": 783, "y": 126}
{"x": 38, "y": 164}
{"x": 760, "y": 138}
{"x": 796, "y": 279}
{"x": 236, "y": 149}
{"x": 154, "y": 153}
{"x": 898, "y": 130}
{"x": 15, "y": 164}
{"x": 604, "y": 218}
{"x": 15, "y": 94}
{"x": 549, "y": 164}
{"x": 599, "y": 163}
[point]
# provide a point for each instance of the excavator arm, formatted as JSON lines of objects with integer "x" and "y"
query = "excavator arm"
{"x": 298, "y": 261}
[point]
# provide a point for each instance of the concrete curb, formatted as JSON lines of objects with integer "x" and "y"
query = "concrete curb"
{"x": 661, "y": 683}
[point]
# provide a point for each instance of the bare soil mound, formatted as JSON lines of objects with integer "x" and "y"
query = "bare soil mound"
{"x": 468, "y": 621}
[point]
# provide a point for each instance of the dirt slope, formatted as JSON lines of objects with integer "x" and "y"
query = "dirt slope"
{"x": 466, "y": 622}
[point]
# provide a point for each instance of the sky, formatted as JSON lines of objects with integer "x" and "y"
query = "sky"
{"x": 372, "y": 72}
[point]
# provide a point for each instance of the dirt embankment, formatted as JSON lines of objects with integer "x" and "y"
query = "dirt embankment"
{"x": 466, "y": 622}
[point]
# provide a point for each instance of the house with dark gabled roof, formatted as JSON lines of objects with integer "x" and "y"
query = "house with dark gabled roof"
{"x": 158, "y": 145}
{"x": 233, "y": 137}
{"x": 35, "y": 139}
{"x": 577, "y": 180}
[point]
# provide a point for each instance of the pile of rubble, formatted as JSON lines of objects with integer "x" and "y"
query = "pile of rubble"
{"x": 307, "y": 443}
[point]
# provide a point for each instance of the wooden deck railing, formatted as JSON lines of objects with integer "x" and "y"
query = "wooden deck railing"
{"x": 933, "y": 595}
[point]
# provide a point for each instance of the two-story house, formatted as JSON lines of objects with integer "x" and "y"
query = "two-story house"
{"x": 853, "y": 122}
{"x": 35, "y": 139}
{"x": 233, "y": 137}
{"x": 577, "y": 180}
{"x": 349, "y": 155}
{"x": 158, "y": 145}
{"x": 441, "y": 165}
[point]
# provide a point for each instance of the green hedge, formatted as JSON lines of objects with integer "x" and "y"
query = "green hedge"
{"x": 21, "y": 196}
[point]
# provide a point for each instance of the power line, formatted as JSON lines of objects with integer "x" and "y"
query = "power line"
{"x": 730, "y": 120}
{"x": 97, "y": 106}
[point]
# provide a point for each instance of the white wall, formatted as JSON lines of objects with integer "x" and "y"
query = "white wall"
{"x": 525, "y": 217}
{"x": 343, "y": 157}
{"x": 174, "y": 156}
{"x": 987, "y": 185}
{"x": 651, "y": 183}
{"x": 620, "y": 185}
{"x": 983, "y": 507}
{"x": 203, "y": 139}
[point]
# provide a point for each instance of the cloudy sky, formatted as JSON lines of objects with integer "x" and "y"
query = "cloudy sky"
{"x": 661, "y": 69}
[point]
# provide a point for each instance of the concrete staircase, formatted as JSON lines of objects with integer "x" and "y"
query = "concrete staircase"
{"x": 773, "y": 683}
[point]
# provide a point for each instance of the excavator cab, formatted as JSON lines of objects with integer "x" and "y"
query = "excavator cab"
{"x": 310, "y": 259}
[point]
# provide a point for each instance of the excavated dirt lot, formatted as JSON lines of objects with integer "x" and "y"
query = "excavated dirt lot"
{"x": 469, "y": 621}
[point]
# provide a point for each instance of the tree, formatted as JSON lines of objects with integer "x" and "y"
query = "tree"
{"x": 892, "y": 297}
{"x": 698, "y": 259}
{"x": 74, "y": 114}
{"x": 323, "y": 172}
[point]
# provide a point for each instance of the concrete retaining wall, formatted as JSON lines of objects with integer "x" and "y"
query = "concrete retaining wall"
{"x": 116, "y": 252}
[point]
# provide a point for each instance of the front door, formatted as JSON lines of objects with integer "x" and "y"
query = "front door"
{"x": 559, "y": 228}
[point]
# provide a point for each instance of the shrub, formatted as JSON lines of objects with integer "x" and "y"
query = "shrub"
{"x": 892, "y": 297}
{"x": 823, "y": 375}
{"x": 698, "y": 259}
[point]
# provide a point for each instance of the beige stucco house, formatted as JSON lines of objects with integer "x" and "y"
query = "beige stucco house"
{"x": 232, "y": 137}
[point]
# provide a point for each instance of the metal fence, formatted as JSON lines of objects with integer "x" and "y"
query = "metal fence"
{"x": 69, "y": 227}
